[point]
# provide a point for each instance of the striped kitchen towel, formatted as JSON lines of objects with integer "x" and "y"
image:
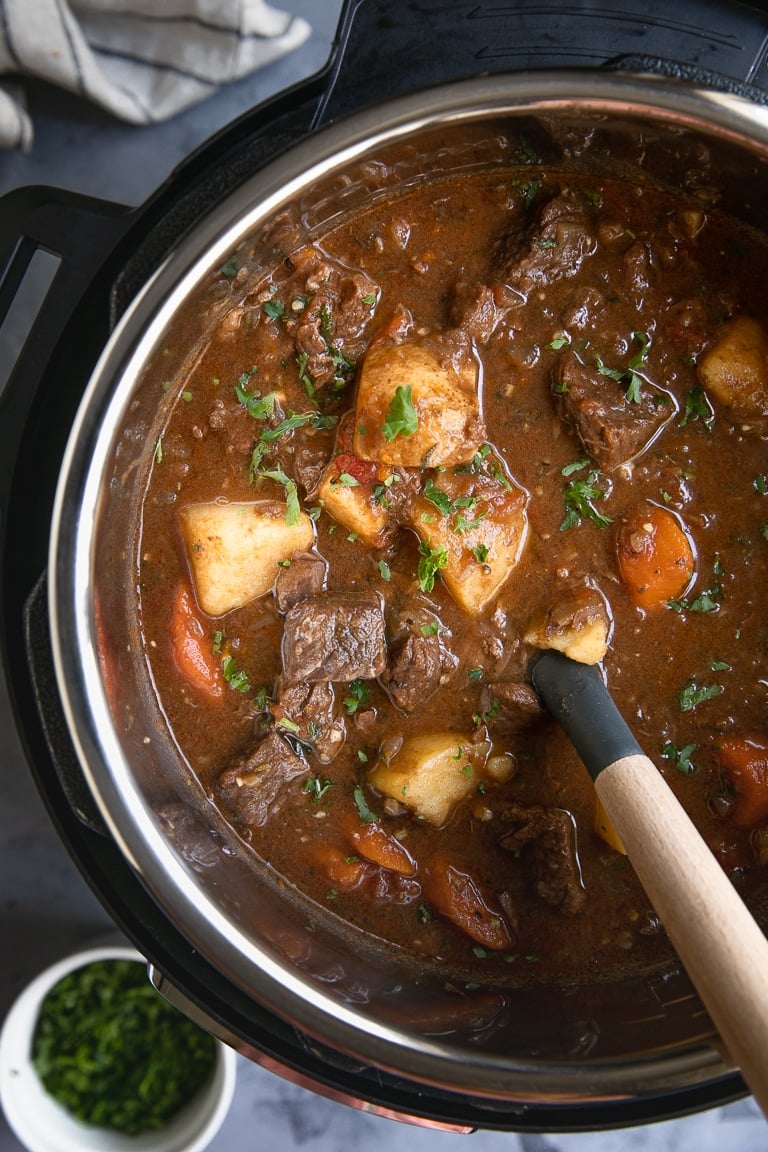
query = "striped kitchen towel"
{"x": 142, "y": 60}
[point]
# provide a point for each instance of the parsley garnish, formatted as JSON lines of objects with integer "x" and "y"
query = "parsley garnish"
{"x": 629, "y": 375}
{"x": 357, "y": 694}
{"x": 705, "y": 601}
{"x": 480, "y": 553}
{"x": 579, "y": 497}
{"x": 680, "y": 757}
{"x": 694, "y": 694}
{"x": 302, "y": 360}
{"x": 316, "y": 788}
{"x": 401, "y": 416}
{"x": 439, "y": 498}
{"x": 235, "y": 676}
{"x": 293, "y": 509}
{"x": 116, "y": 1054}
{"x": 431, "y": 560}
{"x": 697, "y": 407}
{"x": 363, "y": 811}
{"x": 275, "y": 309}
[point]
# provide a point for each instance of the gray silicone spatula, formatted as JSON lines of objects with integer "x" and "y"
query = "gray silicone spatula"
{"x": 723, "y": 949}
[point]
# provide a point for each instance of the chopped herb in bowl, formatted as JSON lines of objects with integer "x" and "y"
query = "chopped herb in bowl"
{"x": 114, "y": 1053}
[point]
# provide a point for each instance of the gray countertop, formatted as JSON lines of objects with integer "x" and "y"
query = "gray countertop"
{"x": 46, "y": 908}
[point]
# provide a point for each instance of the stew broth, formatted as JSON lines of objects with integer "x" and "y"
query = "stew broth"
{"x": 336, "y": 672}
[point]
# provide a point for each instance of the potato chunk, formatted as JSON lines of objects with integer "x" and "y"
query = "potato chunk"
{"x": 354, "y": 506}
{"x": 348, "y": 489}
{"x": 474, "y": 525}
{"x": 431, "y": 774}
{"x": 234, "y": 549}
{"x": 734, "y": 369}
{"x": 439, "y": 391}
{"x": 578, "y": 625}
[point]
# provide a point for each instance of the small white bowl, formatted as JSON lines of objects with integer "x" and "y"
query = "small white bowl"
{"x": 42, "y": 1125}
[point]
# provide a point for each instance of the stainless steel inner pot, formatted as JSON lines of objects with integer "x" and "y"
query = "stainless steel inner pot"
{"x": 607, "y": 1041}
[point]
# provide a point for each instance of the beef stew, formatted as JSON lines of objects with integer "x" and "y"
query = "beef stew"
{"x": 512, "y": 409}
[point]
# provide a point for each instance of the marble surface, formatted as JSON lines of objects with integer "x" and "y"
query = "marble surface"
{"x": 46, "y": 909}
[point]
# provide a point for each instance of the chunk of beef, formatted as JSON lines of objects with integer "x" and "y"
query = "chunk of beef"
{"x": 612, "y": 429}
{"x": 337, "y": 637}
{"x": 475, "y": 310}
{"x": 548, "y": 836}
{"x": 416, "y": 663}
{"x": 329, "y": 331}
{"x": 251, "y": 788}
{"x": 551, "y": 248}
{"x": 309, "y": 710}
{"x": 304, "y": 577}
{"x": 511, "y": 705}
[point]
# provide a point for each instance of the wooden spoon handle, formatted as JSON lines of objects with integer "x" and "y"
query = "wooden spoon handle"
{"x": 724, "y": 951}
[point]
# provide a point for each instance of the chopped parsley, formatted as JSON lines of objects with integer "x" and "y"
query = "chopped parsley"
{"x": 384, "y": 570}
{"x": 402, "y": 419}
{"x": 274, "y": 309}
{"x": 580, "y": 496}
{"x": 234, "y": 675}
{"x": 458, "y": 507}
{"x": 480, "y": 553}
{"x": 293, "y": 509}
{"x": 697, "y": 407}
{"x": 357, "y": 694}
{"x": 229, "y": 267}
{"x": 114, "y": 1053}
{"x": 694, "y": 694}
{"x": 430, "y": 629}
{"x": 316, "y": 788}
{"x": 629, "y": 375}
{"x": 363, "y": 811}
{"x": 431, "y": 561}
{"x": 706, "y": 601}
{"x": 680, "y": 757}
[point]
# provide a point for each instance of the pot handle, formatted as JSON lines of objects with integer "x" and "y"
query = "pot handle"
{"x": 382, "y": 51}
{"x": 76, "y": 233}
{"x": 49, "y": 711}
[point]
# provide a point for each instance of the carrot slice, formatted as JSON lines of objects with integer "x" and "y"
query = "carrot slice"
{"x": 457, "y": 896}
{"x": 655, "y": 556}
{"x": 192, "y": 651}
{"x": 345, "y": 872}
{"x": 744, "y": 763}
{"x": 374, "y": 843}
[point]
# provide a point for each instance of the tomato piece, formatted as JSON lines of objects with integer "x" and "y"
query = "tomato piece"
{"x": 744, "y": 764}
{"x": 457, "y": 896}
{"x": 655, "y": 556}
{"x": 192, "y": 650}
{"x": 364, "y": 471}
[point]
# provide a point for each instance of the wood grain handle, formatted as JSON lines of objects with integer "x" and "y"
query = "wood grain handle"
{"x": 724, "y": 951}
{"x": 718, "y": 941}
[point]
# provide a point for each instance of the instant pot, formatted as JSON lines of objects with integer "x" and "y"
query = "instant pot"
{"x": 644, "y": 85}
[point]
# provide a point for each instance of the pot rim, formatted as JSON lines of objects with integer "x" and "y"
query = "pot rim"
{"x": 71, "y": 567}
